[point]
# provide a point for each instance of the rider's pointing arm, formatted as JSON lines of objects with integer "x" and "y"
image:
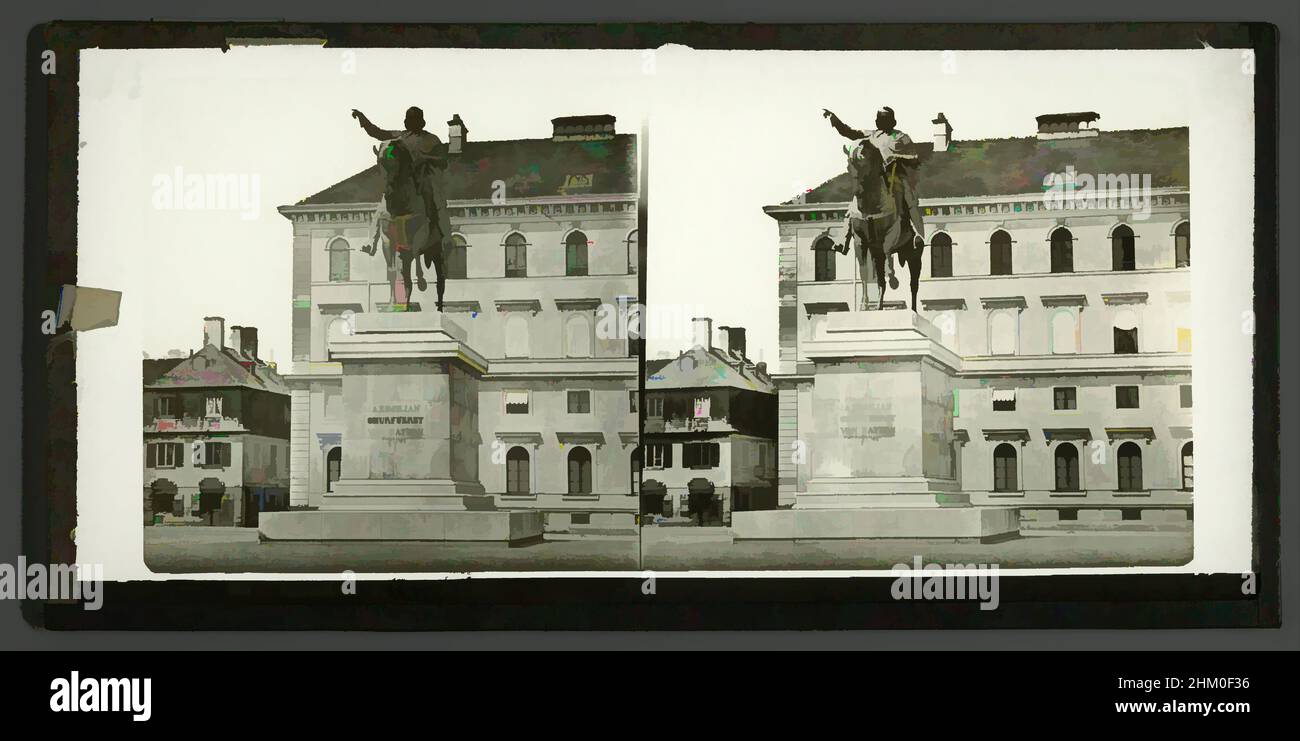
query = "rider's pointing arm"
{"x": 844, "y": 129}
{"x": 373, "y": 130}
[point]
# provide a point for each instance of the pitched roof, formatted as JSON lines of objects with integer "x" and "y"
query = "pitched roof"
{"x": 701, "y": 368}
{"x": 154, "y": 368}
{"x": 210, "y": 367}
{"x": 528, "y": 167}
{"x": 989, "y": 167}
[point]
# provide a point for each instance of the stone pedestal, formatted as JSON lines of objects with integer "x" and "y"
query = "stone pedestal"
{"x": 879, "y": 439}
{"x": 410, "y": 441}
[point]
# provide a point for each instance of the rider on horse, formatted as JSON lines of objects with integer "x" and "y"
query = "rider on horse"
{"x": 427, "y": 156}
{"x": 901, "y": 165}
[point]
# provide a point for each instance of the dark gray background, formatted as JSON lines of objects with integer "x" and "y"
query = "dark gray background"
{"x": 19, "y": 19}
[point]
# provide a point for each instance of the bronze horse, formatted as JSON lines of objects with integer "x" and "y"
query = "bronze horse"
{"x": 411, "y": 228}
{"x": 876, "y": 220}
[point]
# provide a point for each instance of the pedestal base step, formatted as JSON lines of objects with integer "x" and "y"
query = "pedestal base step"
{"x": 499, "y": 526}
{"x": 964, "y": 523}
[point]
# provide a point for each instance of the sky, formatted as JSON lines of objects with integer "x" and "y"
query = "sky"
{"x": 734, "y": 131}
{"x": 730, "y": 132}
{"x": 281, "y": 114}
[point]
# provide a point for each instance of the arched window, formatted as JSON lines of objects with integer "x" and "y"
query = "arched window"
{"x": 517, "y": 473}
{"x": 824, "y": 256}
{"x": 575, "y": 253}
{"x": 333, "y": 467}
{"x": 941, "y": 256}
{"x": 1002, "y": 333}
{"x": 163, "y": 498}
{"x": 577, "y": 337}
{"x": 340, "y": 259}
{"x": 516, "y": 336}
{"x": 457, "y": 259}
{"x": 1183, "y": 245}
{"x": 1122, "y": 249}
{"x": 1062, "y": 251}
{"x": 1000, "y": 253}
{"x": 1004, "y": 468}
{"x": 516, "y": 256}
{"x": 579, "y": 471}
{"x": 1126, "y": 332}
{"x": 1064, "y": 338}
{"x": 1187, "y": 466}
{"x": 1067, "y": 467}
{"x": 1130, "y": 467}
{"x": 634, "y": 252}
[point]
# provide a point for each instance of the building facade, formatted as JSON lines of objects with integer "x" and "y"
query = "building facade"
{"x": 543, "y": 279}
{"x": 710, "y": 432}
{"x": 1057, "y": 267}
{"x": 216, "y": 434}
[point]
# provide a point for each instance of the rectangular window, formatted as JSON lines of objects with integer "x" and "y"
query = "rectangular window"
{"x": 216, "y": 454}
{"x": 659, "y": 455}
{"x": 1064, "y": 398}
{"x": 700, "y": 455}
{"x": 654, "y": 406}
{"x": 1184, "y": 339}
{"x": 1004, "y": 400}
{"x": 213, "y": 406}
{"x": 1126, "y": 397}
{"x": 702, "y": 406}
{"x": 164, "y": 455}
{"x": 579, "y": 402}
{"x": 1185, "y": 396}
{"x": 516, "y": 402}
{"x": 632, "y": 397}
{"x": 162, "y": 406}
{"x": 1126, "y": 341}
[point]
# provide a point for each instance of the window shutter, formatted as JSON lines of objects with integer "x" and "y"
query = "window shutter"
{"x": 151, "y": 455}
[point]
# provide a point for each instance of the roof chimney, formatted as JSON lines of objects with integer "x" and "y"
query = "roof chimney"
{"x": 582, "y": 128}
{"x": 735, "y": 341}
{"x": 214, "y": 332}
{"x": 457, "y": 134}
{"x": 942, "y": 133}
{"x": 703, "y": 329}
{"x": 236, "y": 339}
{"x": 248, "y": 342}
{"x": 1067, "y": 125}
